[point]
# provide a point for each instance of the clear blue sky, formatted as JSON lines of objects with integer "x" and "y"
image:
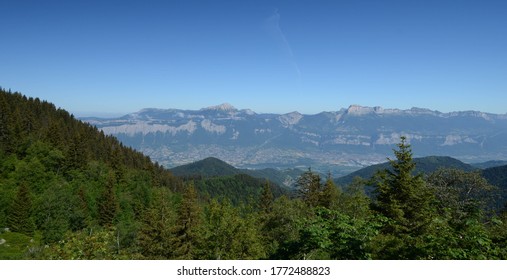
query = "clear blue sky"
{"x": 103, "y": 57}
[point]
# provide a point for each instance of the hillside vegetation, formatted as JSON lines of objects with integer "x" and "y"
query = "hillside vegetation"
{"x": 424, "y": 165}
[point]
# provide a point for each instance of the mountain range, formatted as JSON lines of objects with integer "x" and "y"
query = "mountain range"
{"x": 340, "y": 141}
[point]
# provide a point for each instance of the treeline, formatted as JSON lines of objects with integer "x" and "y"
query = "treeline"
{"x": 67, "y": 191}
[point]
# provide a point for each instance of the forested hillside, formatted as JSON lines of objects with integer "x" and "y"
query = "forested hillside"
{"x": 67, "y": 191}
{"x": 424, "y": 165}
{"x": 60, "y": 177}
{"x": 215, "y": 178}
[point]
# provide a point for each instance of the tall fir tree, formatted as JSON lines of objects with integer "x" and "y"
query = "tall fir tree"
{"x": 157, "y": 232}
{"x": 406, "y": 200}
{"x": 330, "y": 193}
{"x": 20, "y": 215}
{"x": 108, "y": 205}
{"x": 309, "y": 188}
{"x": 266, "y": 201}
{"x": 187, "y": 225}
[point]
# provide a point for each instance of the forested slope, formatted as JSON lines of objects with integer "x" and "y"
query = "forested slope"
{"x": 59, "y": 175}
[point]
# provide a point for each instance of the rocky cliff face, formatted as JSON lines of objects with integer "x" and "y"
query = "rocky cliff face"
{"x": 356, "y": 136}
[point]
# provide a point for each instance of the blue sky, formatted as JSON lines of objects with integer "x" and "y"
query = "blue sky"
{"x": 112, "y": 57}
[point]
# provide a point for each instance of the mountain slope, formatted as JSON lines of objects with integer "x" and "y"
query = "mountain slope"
{"x": 496, "y": 176}
{"x": 489, "y": 164}
{"x": 353, "y": 137}
{"x": 217, "y": 178}
{"x": 423, "y": 165}
{"x": 60, "y": 176}
{"x": 208, "y": 167}
{"x": 213, "y": 167}
{"x": 25, "y": 121}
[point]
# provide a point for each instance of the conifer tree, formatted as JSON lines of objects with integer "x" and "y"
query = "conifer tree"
{"x": 5, "y": 133}
{"x": 330, "y": 193}
{"x": 266, "y": 202}
{"x": 19, "y": 218}
{"x": 187, "y": 225}
{"x": 406, "y": 200}
{"x": 157, "y": 231}
{"x": 108, "y": 203}
{"x": 309, "y": 188}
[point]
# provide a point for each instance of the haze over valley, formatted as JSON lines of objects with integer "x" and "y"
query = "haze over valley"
{"x": 338, "y": 141}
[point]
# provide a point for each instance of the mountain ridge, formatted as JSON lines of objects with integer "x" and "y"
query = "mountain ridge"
{"x": 354, "y": 137}
{"x": 351, "y": 109}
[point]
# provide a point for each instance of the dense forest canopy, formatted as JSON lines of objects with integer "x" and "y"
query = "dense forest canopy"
{"x": 68, "y": 191}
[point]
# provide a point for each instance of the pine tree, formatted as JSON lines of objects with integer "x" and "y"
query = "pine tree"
{"x": 157, "y": 232}
{"x": 107, "y": 203}
{"x": 5, "y": 132}
{"x": 406, "y": 201}
{"x": 187, "y": 226}
{"x": 19, "y": 218}
{"x": 266, "y": 202}
{"x": 309, "y": 188}
{"x": 330, "y": 194}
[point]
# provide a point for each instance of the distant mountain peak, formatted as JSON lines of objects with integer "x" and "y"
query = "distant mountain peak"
{"x": 363, "y": 110}
{"x": 290, "y": 118}
{"x": 225, "y": 107}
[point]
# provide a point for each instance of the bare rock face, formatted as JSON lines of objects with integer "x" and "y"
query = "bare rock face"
{"x": 356, "y": 136}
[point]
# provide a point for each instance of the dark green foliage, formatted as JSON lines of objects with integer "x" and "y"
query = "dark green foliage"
{"x": 187, "y": 225}
{"x": 217, "y": 179}
{"x": 280, "y": 228}
{"x": 107, "y": 202}
{"x": 309, "y": 188}
{"x": 25, "y": 121}
{"x": 463, "y": 200}
{"x": 230, "y": 236}
{"x": 213, "y": 167}
{"x": 464, "y": 194}
{"x": 19, "y": 218}
{"x": 406, "y": 201}
{"x": 497, "y": 176}
{"x": 490, "y": 164}
{"x": 354, "y": 202}
{"x": 59, "y": 176}
{"x": 239, "y": 188}
{"x": 314, "y": 193}
{"x": 156, "y": 235}
{"x": 330, "y": 234}
{"x": 424, "y": 165}
{"x": 208, "y": 167}
{"x": 266, "y": 200}
{"x": 330, "y": 194}
{"x": 54, "y": 211}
